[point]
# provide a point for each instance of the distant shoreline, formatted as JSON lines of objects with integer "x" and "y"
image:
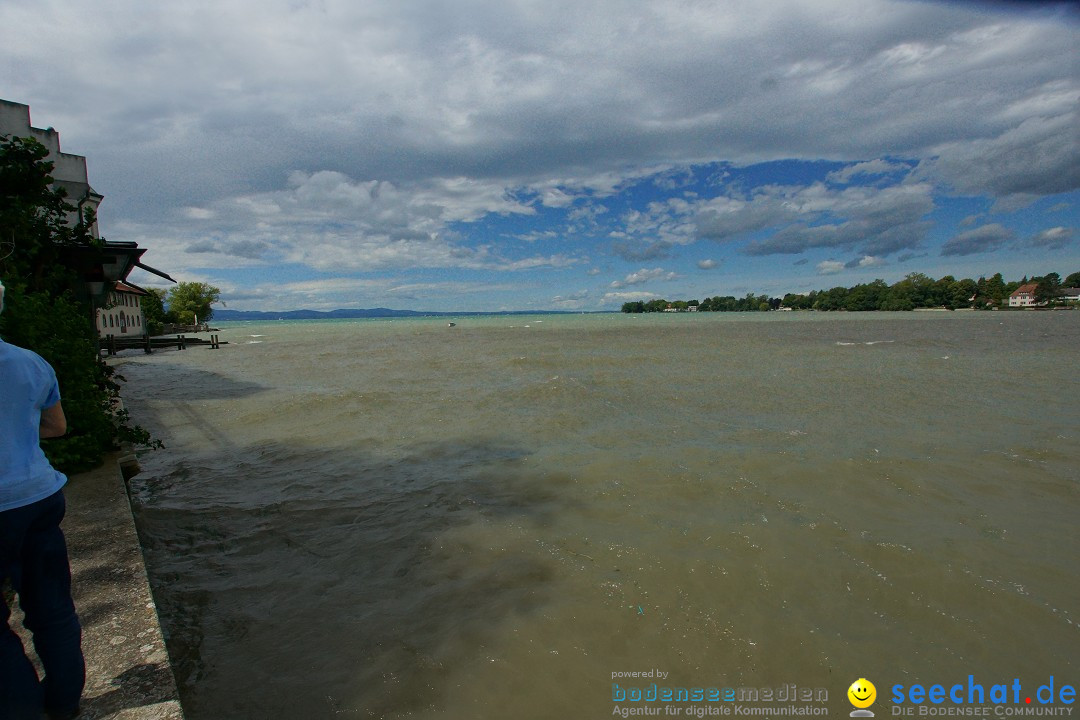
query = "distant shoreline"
{"x": 229, "y": 315}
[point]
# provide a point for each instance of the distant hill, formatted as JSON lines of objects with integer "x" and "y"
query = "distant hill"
{"x": 226, "y": 314}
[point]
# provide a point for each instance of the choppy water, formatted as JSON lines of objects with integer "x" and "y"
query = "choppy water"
{"x": 403, "y": 519}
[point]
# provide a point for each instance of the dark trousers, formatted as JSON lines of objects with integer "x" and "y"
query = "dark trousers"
{"x": 34, "y": 556}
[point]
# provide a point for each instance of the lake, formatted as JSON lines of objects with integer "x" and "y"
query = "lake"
{"x": 398, "y": 518}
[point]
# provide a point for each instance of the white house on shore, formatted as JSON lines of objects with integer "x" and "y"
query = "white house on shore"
{"x": 1023, "y": 296}
{"x": 1070, "y": 295}
{"x": 122, "y": 314}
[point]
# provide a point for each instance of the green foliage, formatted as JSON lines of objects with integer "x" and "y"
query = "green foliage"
{"x": 34, "y": 217}
{"x": 61, "y": 332}
{"x": 153, "y": 307}
{"x": 1048, "y": 288}
{"x": 866, "y": 297}
{"x": 799, "y": 302}
{"x": 916, "y": 290}
{"x": 992, "y": 292}
{"x": 42, "y": 310}
{"x": 188, "y": 300}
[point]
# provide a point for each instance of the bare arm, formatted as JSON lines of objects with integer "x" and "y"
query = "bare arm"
{"x": 53, "y": 422}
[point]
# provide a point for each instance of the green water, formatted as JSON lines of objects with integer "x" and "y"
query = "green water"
{"x": 399, "y": 518}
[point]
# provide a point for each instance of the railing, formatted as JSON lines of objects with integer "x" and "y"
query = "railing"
{"x": 113, "y": 343}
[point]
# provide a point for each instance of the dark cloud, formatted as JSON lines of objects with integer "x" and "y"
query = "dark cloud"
{"x": 911, "y": 256}
{"x": 727, "y": 218}
{"x": 982, "y": 239}
{"x": 250, "y": 249}
{"x": 1052, "y": 238}
{"x": 874, "y": 221}
{"x": 379, "y": 135}
{"x": 638, "y": 250}
{"x": 1062, "y": 8}
{"x": 202, "y": 246}
{"x": 490, "y": 91}
{"x": 1040, "y": 156}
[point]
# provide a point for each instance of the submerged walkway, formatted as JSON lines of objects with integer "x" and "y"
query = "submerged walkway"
{"x": 128, "y": 675}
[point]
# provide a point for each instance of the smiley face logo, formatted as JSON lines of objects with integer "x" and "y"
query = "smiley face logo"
{"x": 862, "y": 693}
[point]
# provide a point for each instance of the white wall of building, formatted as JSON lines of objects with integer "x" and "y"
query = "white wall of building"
{"x": 122, "y": 316}
{"x": 69, "y": 171}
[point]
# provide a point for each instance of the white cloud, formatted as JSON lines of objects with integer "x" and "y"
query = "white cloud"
{"x": 572, "y": 301}
{"x": 829, "y": 267}
{"x": 195, "y": 213}
{"x": 415, "y": 291}
{"x": 707, "y": 264}
{"x": 328, "y": 221}
{"x": 866, "y": 261}
{"x": 870, "y": 167}
{"x": 643, "y": 276}
{"x": 392, "y": 137}
{"x": 535, "y": 235}
{"x": 529, "y": 95}
{"x": 621, "y": 297}
{"x": 331, "y": 285}
{"x": 1053, "y": 238}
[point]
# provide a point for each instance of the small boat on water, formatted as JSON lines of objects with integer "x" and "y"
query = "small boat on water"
{"x": 451, "y": 324}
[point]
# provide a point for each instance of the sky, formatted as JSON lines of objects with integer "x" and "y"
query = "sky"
{"x": 562, "y": 154}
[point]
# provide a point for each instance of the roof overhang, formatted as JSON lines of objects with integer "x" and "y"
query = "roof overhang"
{"x": 102, "y": 267}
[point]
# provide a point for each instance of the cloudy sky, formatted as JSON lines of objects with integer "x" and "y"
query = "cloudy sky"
{"x": 511, "y": 154}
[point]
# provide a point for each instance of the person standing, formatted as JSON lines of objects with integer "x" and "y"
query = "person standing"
{"x": 33, "y": 553}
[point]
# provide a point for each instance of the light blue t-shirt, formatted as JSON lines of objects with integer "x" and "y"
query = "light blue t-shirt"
{"x": 27, "y": 386}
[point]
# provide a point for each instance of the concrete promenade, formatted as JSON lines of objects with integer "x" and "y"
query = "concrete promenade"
{"x": 128, "y": 675}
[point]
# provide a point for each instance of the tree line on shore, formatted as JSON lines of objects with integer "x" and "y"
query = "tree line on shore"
{"x": 183, "y": 304}
{"x": 914, "y": 291}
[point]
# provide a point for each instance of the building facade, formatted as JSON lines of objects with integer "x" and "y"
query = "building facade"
{"x": 69, "y": 171}
{"x": 103, "y": 267}
{"x": 122, "y": 314}
{"x": 1023, "y": 296}
{"x": 1070, "y": 295}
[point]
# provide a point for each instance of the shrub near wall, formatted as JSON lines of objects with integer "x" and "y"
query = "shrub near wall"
{"x": 57, "y": 329}
{"x": 41, "y": 310}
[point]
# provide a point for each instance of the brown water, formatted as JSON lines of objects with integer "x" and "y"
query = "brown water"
{"x": 403, "y": 519}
